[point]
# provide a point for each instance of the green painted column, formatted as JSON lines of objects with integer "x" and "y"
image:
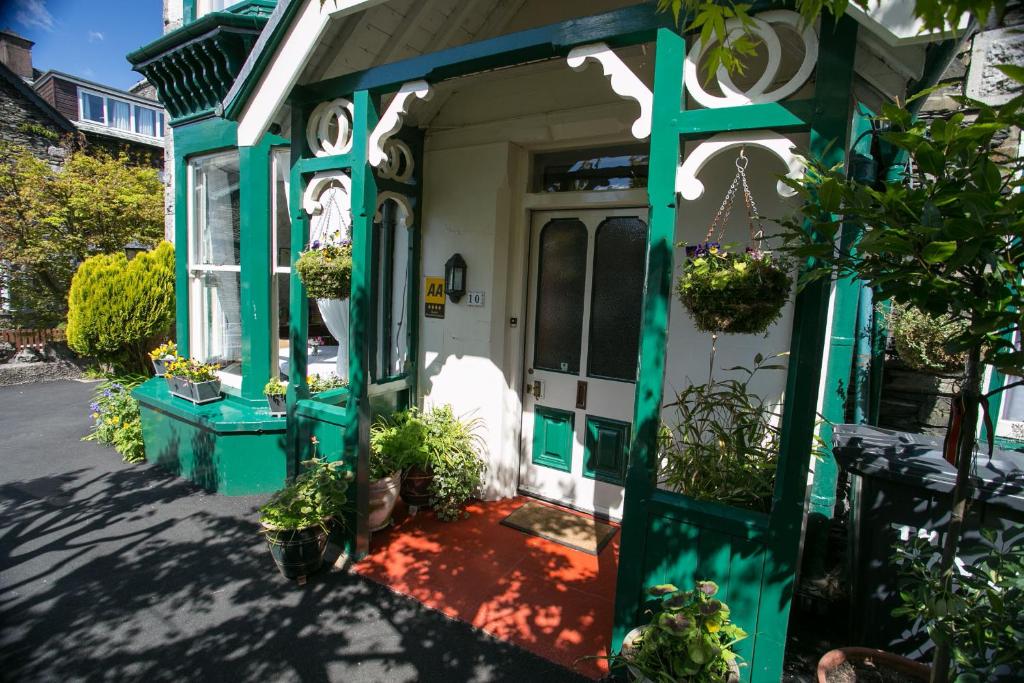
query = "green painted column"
{"x": 181, "y": 293}
{"x": 829, "y": 138}
{"x": 668, "y": 92}
{"x": 254, "y": 190}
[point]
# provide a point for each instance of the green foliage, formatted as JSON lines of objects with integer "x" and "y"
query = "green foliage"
{"x": 326, "y": 272}
{"x": 167, "y": 351}
{"x": 275, "y": 387}
{"x": 688, "y": 640}
{"x": 735, "y": 293}
{"x": 52, "y": 220}
{"x": 458, "y": 469}
{"x": 398, "y": 442}
{"x": 980, "y": 614}
{"x": 921, "y": 339}
{"x": 316, "y": 496}
{"x": 40, "y": 130}
{"x": 116, "y": 415}
{"x": 119, "y": 309}
{"x": 942, "y": 241}
{"x": 318, "y": 384}
{"x": 192, "y": 370}
{"x": 724, "y": 446}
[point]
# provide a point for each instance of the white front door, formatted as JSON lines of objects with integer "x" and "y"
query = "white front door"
{"x": 587, "y": 272}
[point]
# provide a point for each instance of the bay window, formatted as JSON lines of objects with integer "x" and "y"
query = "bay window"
{"x": 120, "y": 114}
{"x": 215, "y": 327}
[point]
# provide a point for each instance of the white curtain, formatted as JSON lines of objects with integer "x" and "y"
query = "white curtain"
{"x": 120, "y": 114}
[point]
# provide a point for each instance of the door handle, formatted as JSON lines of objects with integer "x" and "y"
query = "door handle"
{"x": 581, "y": 395}
{"x": 536, "y": 388}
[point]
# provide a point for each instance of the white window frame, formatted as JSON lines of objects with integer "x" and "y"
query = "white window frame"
{"x": 196, "y": 270}
{"x": 1010, "y": 429}
{"x": 106, "y": 112}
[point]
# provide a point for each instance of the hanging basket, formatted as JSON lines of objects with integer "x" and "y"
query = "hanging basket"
{"x": 326, "y": 271}
{"x": 730, "y": 291}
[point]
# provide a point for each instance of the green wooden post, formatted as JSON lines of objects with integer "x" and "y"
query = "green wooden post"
{"x": 668, "y": 93}
{"x": 298, "y": 311}
{"x": 364, "y": 206}
{"x": 829, "y": 133}
{"x": 255, "y": 297}
{"x": 181, "y": 251}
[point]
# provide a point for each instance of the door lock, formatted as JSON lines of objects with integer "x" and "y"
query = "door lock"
{"x": 581, "y": 395}
{"x": 536, "y": 388}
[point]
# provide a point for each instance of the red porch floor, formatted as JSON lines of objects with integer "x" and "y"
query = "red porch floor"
{"x": 545, "y": 597}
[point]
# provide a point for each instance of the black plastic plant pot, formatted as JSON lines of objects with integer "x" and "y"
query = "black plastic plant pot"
{"x": 278, "y": 404}
{"x": 297, "y": 552}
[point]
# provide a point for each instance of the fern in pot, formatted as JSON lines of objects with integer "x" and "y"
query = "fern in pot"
{"x": 454, "y": 449}
{"x": 297, "y": 519}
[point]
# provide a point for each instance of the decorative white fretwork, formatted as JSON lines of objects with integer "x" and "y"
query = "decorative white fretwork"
{"x": 318, "y": 129}
{"x": 403, "y": 204}
{"x": 399, "y": 165}
{"x": 624, "y": 82}
{"x": 757, "y": 93}
{"x": 690, "y": 187}
{"x": 319, "y": 184}
{"x": 391, "y": 122}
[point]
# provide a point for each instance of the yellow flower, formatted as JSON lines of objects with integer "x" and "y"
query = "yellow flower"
{"x": 712, "y": 250}
{"x": 95, "y": 415}
{"x": 713, "y": 626}
{"x": 740, "y": 266}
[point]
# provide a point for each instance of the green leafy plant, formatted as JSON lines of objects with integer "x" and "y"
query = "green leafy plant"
{"x": 40, "y": 130}
{"x": 945, "y": 241}
{"x": 119, "y": 309}
{"x": 397, "y": 442}
{"x": 317, "y": 495}
{"x": 724, "y": 445}
{"x": 730, "y": 292}
{"x": 326, "y": 270}
{"x": 318, "y": 384}
{"x": 979, "y": 615}
{"x": 453, "y": 448}
{"x": 167, "y": 350}
{"x": 275, "y": 387}
{"x": 922, "y": 339}
{"x": 688, "y": 640}
{"x": 116, "y": 418}
{"x": 192, "y": 370}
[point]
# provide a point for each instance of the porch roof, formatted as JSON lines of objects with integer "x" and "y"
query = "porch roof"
{"x": 892, "y": 52}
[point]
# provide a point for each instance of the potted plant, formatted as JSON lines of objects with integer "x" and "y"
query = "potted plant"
{"x": 733, "y": 292}
{"x": 455, "y": 463}
{"x": 318, "y": 384}
{"x": 161, "y": 356}
{"x": 296, "y": 520}
{"x": 394, "y": 444}
{"x": 275, "y": 391}
{"x": 921, "y": 340}
{"x": 852, "y": 664}
{"x": 326, "y": 270}
{"x": 192, "y": 380}
{"x": 689, "y": 639}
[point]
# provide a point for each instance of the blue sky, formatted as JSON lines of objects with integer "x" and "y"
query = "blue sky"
{"x": 85, "y": 38}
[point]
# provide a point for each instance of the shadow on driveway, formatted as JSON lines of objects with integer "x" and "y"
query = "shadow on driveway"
{"x": 117, "y": 572}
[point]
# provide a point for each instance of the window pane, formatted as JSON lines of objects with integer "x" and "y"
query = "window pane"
{"x": 145, "y": 121}
{"x": 620, "y": 247}
{"x": 282, "y": 221}
{"x": 159, "y": 125}
{"x": 1013, "y": 404}
{"x": 561, "y": 281}
{"x": 120, "y": 114}
{"x": 215, "y": 210}
{"x": 611, "y": 168}
{"x": 92, "y": 107}
{"x": 219, "y": 323}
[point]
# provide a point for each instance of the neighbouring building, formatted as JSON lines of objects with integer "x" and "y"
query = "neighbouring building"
{"x": 515, "y": 178}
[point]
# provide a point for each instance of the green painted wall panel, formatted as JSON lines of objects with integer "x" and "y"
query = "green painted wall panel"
{"x": 553, "y": 438}
{"x": 606, "y": 450}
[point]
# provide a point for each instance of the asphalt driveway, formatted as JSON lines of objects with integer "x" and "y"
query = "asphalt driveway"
{"x": 121, "y": 572}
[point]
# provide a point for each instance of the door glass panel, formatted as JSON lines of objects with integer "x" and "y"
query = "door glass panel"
{"x": 561, "y": 280}
{"x": 618, "y": 286}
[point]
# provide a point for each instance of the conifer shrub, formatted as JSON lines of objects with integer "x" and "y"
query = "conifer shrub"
{"x": 119, "y": 309}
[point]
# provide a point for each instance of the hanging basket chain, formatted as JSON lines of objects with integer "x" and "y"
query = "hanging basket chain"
{"x": 721, "y": 219}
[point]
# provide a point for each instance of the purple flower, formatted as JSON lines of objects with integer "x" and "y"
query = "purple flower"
{"x": 708, "y": 588}
{"x": 117, "y": 386}
{"x": 94, "y": 407}
{"x": 315, "y": 244}
{"x": 710, "y": 608}
{"x": 106, "y": 393}
{"x": 662, "y": 589}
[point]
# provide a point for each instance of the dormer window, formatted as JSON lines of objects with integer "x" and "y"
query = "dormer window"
{"x": 119, "y": 114}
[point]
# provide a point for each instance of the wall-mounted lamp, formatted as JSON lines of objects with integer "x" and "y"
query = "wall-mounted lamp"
{"x": 133, "y": 249}
{"x": 455, "y": 277}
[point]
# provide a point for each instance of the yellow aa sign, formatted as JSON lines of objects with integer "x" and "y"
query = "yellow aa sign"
{"x": 433, "y": 299}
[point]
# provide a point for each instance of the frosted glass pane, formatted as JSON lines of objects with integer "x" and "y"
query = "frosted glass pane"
{"x": 561, "y": 281}
{"x": 619, "y": 255}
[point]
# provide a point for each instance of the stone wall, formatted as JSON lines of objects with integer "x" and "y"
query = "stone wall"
{"x": 914, "y": 401}
{"x": 16, "y": 113}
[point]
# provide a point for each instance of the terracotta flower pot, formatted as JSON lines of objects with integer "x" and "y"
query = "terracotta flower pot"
{"x": 416, "y": 486}
{"x": 880, "y": 658}
{"x": 383, "y": 496}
